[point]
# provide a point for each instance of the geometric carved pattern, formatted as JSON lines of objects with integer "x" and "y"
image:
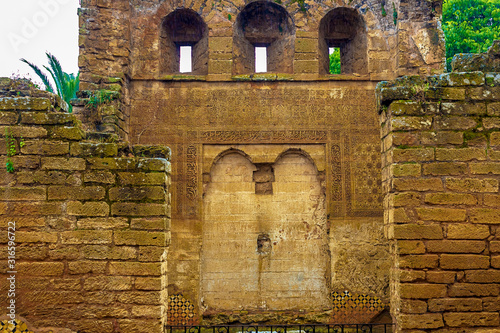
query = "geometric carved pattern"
{"x": 180, "y": 311}
{"x": 336, "y": 180}
{"x": 367, "y": 177}
{"x": 350, "y": 309}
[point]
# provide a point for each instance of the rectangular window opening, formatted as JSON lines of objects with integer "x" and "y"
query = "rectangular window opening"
{"x": 260, "y": 59}
{"x": 186, "y": 59}
{"x": 335, "y": 64}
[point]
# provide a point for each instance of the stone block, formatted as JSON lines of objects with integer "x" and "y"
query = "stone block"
{"x": 154, "y": 253}
{"x": 47, "y": 118}
{"x": 495, "y": 261}
{"x": 36, "y": 237}
{"x": 147, "y": 283}
{"x": 143, "y": 179}
{"x": 25, "y": 103}
{"x": 467, "y": 319}
{"x": 64, "y": 252}
{"x": 76, "y": 192}
{"x": 137, "y": 325}
{"x": 413, "y": 155}
{"x": 137, "y": 193}
{"x": 134, "y": 268}
{"x": 411, "y": 275}
{"x": 146, "y": 311}
{"x": 460, "y": 154}
{"x": 413, "y": 306}
{"x": 31, "y": 208}
{"x": 421, "y": 321}
{"x": 87, "y": 267}
{"x": 445, "y": 169}
{"x": 419, "y": 261}
{"x": 104, "y": 177}
{"x": 66, "y": 133}
{"x": 306, "y": 45}
{"x": 88, "y": 208}
{"x": 405, "y": 170}
{"x": 62, "y": 163}
{"x": 411, "y": 247}
{"x": 40, "y": 268}
{"x": 495, "y": 246}
{"x": 139, "y": 297}
{"x": 473, "y": 289}
{"x": 417, "y": 231}
{"x": 441, "y": 214}
{"x": 8, "y": 118}
{"x": 495, "y": 139}
{"x": 108, "y": 283}
{"x": 86, "y": 237}
{"x": 464, "y": 261}
{"x": 467, "y": 231}
{"x": 494, "y": 109}
{"x": 485, "y": 168}
{"x": 220, "y": 44}
{"x": 88, "y": 149}
{"x": 150, "y": 224}
{"x": 220, "y": 66}
{"x": 128, "y": 237}
{"x": 445, "y": 277}
{"x": 23, "y": 131}
{"x": 102, "y": 223}
{"x": 472, "y": 185}
{"x": 456, "y": 246}
{"x": 483, "y": 276}
{"x": 422, "y": 290}
{"x": 409, "y": 123}
{"x": 454, "y": 123}
{"x": 455, "y": 304}
{"x": 441, "y": 138}
{"x": 306, "y": 66}
{"x": 420, "y": 185}
{"x": 485, "y": 215}
{"x": 450, "y": 199}
{"x": 45, "y": 147}
{"x": 109, "y": 163}
{"x": 463, "y": 108}
{"x": 491, "y": 123}
{"x": 22, "y": 193}
{"x": 109, "y": 252}
{"x": 406, "y": 199}
{"x": 138, "y": 209}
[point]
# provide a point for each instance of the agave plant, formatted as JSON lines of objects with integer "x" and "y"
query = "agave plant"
{"x": 66, "y": 84}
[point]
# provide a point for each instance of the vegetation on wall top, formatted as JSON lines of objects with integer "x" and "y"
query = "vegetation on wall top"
{"x": 470, "y": 26}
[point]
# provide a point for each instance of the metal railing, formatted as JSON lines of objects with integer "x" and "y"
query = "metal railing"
{"x": 312, "y": 328}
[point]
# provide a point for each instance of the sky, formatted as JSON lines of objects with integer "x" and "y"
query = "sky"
{"x": 29, "y": 28}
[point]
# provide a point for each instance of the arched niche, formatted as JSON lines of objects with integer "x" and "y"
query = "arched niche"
{"x": 263, "y": 24}
{"x": 257, "y": 246}
{"x": 343, "y": 28}
{"x": 183, "y": 28}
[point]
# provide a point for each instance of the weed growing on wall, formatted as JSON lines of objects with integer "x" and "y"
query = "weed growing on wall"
{"x": 10, "y": 143}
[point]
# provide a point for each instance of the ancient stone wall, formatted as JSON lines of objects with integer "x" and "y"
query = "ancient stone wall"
{"x": 90, "y": 220}
{"x": 330, "y": 121}
{"x": 441, "y": 161}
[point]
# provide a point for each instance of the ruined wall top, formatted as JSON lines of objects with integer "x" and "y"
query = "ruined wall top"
{"x": 378, "y": 39}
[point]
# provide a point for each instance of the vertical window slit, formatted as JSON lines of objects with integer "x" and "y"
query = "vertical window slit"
{"x": 186, "y": 59}
{"x": 260, "y": 59}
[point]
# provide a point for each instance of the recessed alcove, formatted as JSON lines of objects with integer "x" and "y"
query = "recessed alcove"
{"x": 263, "y": 24}
{"x": 343, "y": 28}
{"x": 184, "y": 35}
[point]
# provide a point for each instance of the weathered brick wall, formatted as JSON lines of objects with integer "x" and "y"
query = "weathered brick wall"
{"x": 441, "y": 161}
{"x": 91, "y": 220}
